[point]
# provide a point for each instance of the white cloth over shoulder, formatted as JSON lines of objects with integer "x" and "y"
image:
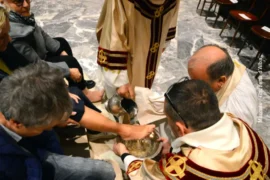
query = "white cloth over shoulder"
{"x": 243, "y": 101}
{"x": 222, "y": 136}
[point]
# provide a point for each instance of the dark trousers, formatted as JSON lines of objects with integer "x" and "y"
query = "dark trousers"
{"x": 69, "y": 60}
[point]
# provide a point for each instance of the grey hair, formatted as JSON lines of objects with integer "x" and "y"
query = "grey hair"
{"x": 35, "y": 95}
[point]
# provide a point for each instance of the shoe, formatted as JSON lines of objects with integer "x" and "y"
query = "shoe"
{"x": 90, "y": 84}
{"x": 99, "y": 136}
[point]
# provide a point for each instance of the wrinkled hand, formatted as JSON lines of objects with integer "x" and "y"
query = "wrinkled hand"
{"x": 75, "y": 97}
{"x": 75, "y": 74}
{"x": 63, "y": 53}
{"x": 119, "y": 149}
{"x": 166, "y": 145}
{"x": 127, "y": 91}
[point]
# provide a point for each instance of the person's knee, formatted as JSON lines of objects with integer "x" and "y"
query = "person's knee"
{"x": 108, "y": 171}
{"x": 71, "y": 61}
{"x": 104, "y": 170}
{"x": 62, "y": 41}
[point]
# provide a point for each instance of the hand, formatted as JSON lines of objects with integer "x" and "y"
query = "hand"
{"x": 63, "y": 53}
{"x": 119, "y": 149}
{"x": 127, "y": 91}
{"x": 75, "y": 74}
{"x": 75, "y": 97}
{"x": 166, "y": 146}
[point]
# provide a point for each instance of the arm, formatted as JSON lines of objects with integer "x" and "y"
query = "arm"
{"x": 52, "y": 45}
{"x": 113, "y": 48}
{"x": 138, "y": 169}
{"x": 32, "y": 57}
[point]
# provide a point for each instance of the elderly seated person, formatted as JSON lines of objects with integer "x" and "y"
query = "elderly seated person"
{"x": 208, "y": 144}
{"x": 34, "y": 44}
{"x": 229, "y": 80}
{"x": 33, "y": 100}
{"x": 87, "y": 115}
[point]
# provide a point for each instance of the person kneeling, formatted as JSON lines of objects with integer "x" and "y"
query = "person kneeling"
{"x": 208, "y": 145}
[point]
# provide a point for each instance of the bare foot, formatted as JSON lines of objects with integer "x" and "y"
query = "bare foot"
{"x": 130, "y": 132}
{"x": 94, "y": 96}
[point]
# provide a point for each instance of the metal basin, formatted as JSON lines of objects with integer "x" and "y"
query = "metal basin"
{"x": 148, "y": 147}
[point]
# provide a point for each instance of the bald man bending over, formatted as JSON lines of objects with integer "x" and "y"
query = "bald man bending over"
{"x": 229, "y": 79}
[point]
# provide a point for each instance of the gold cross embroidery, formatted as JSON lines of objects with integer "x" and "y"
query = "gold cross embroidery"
{"x": 134, "y": 166}
{"x": 154, "y": 48}
{"x": 256, "y": 170}
{"x": 150, "y": 75}
{"x": 176, "y": 164}
{"x": 102, "y": 57}
{"x": 158, "y": 12}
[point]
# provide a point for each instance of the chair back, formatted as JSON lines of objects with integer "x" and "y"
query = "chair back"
{"x": 265, "y": 19}
{"x": 259, "y": 7}
{"x": 245, "y": 5}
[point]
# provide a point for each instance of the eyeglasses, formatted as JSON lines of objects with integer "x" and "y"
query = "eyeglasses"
{"x": 19, "y": 3}
{"x": 170, "y": 101}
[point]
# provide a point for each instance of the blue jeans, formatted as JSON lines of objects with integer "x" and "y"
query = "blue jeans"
{"x": 61, "y": 167}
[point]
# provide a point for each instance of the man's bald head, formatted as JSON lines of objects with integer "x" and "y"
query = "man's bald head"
{"x": 211, "y": 64}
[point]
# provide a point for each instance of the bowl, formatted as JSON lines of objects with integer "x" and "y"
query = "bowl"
{"x": 148, "y": 147}
{"x": 119, "y": 106}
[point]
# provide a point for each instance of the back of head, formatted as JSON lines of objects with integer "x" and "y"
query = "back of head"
{"x": 217, "y": 59}
{"x": 222, "y": 67}
{"x": 196, "y": 102}
{"x": 35, "y": 95}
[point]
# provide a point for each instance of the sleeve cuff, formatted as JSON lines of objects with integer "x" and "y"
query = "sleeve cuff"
{"x": 127, "y": 159}
{"x": 123, "y": 156}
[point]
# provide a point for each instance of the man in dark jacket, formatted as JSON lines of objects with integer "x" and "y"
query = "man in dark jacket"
{"x": 33, "y": 100}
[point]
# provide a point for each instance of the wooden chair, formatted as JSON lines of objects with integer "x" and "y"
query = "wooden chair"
{"x": 204, "y": 2}
{"x": 255, "y": 13}
{"x": 265, "y": 36}
{"x": 221, "y": 4}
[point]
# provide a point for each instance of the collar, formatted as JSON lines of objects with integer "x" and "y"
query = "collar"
{"x": 221, "y": 136}
{"x": 15, "y": 136}
{"x": 231, "y": 84}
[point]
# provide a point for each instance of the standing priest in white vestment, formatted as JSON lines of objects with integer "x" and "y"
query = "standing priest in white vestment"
{"x": 132, "y": 35}
{"x": 229, "y": 79}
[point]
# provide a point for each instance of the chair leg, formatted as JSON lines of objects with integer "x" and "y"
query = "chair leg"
{"x": 236, "y": 31}
{"x": 242, "y": 46}
{"x": 211, "y": 5}
{"x": 240, "y": 35}
{"x": 198, "y": 4}
{"x": 218, "y": 14}
{"x": 257, "y": 55}
{"x": 224, "y": 26}
{"x": 257, "y": 75}
{"x": 204, "y": 1}
{"x": 215, "y": 7}
{"x": 215, "y": 21}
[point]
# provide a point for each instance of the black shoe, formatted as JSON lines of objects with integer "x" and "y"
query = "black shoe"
{"x": 90, "y": 84}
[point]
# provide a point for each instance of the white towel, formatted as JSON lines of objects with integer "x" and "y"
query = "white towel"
{"x": 150, "y": 105}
